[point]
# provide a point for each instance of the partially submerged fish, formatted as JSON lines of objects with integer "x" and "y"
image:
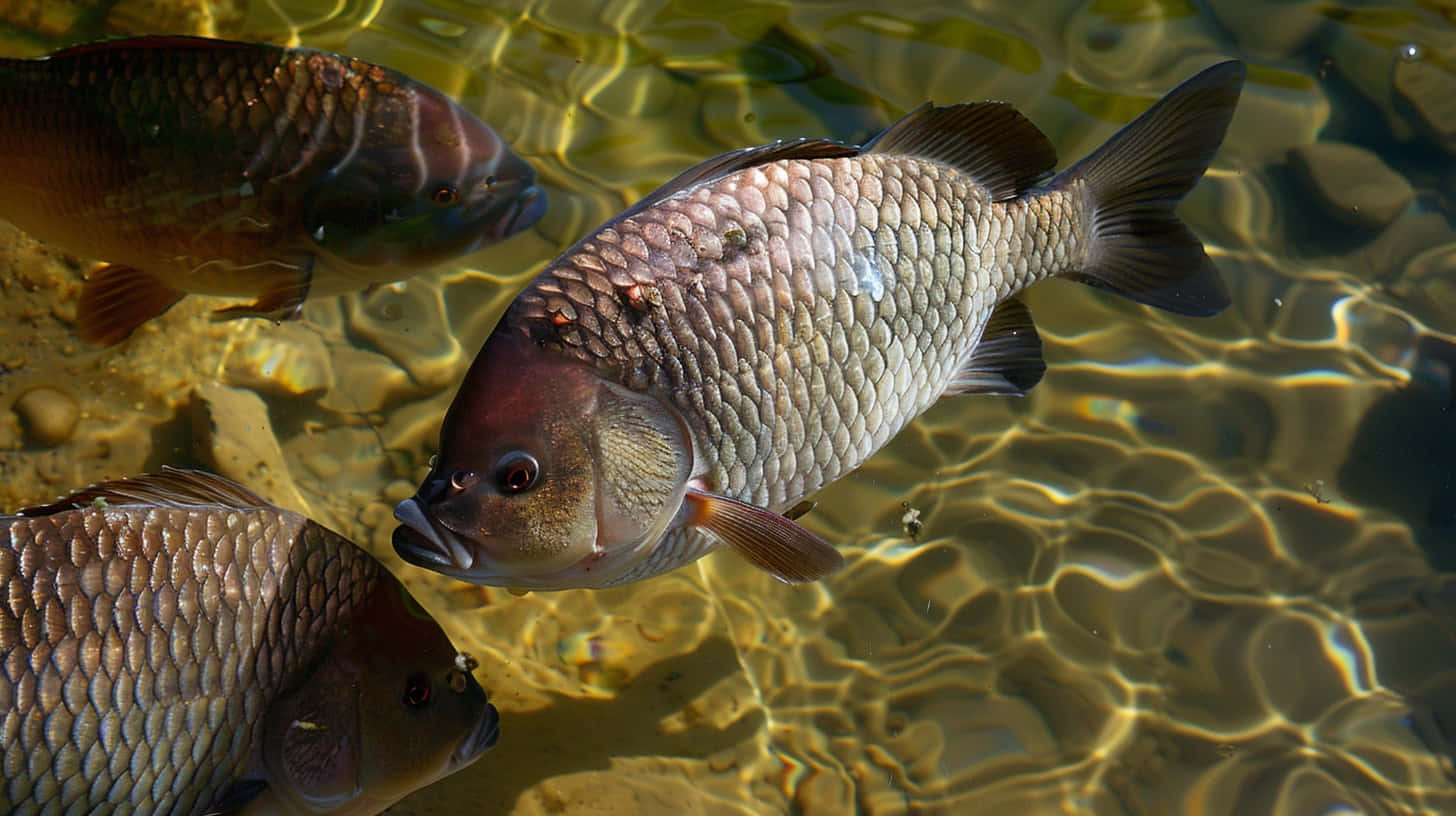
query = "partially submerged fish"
{"x": 762, "y": 324}
{"x": 243, "y": 169}
{"x": 173, "y": 644}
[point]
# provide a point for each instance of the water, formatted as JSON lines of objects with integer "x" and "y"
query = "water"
{"x": 1197, "y": 570}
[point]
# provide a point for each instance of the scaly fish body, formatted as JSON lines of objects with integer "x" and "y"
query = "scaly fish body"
{"x": 174, "y": 645}
{"x": 242, "y": 169}
{"x": 764, "y": 323}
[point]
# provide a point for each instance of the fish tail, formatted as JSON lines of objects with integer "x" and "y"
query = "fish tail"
{"x": 1139, "y": 248}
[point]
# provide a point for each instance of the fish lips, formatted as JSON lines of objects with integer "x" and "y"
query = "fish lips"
{"x": 527, "y": 208}
{"x": 481, "y": 739}
{"x": 424, "y": 544}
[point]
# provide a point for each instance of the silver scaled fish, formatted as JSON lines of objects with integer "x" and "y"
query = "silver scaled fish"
{"x": 244, "y": 169}
{"x": 759, "y": 326}
{"x": 175, "y": 645}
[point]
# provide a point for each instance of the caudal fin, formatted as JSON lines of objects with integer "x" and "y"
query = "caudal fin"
{"x": 1139, "y": 248}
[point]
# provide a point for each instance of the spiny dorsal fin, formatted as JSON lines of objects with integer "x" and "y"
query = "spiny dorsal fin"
{"x": 989, "y": 141}
{"x": 733, "y": 161}
{"x": 1008, "y": 358}
{"x": 173, "y": 487}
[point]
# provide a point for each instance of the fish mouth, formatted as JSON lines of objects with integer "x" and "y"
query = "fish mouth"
{"x": 480, "y": 739}
{"x": 424, "y": 544}
{"x": 527, "y": 207}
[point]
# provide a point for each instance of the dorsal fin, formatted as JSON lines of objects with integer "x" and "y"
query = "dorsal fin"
{"x": 173, "y": 487}
{"x": 735, "y": 160}
{"x": 989, "y": 141}
{"x": 171, "y": 42}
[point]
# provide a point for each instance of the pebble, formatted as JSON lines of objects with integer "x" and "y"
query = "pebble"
{"x": 1353, "y": 184}
{"x": 1426, "y": 92}
{"x": 49, "y": 414}
{"x": 1274, "y": 31}
{"x": 233, "y": 435}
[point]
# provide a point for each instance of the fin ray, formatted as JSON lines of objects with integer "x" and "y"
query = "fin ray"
{"x": 1007, "y": 360}
{"x": 991, "y": 142}
{"x": 768, "y": 540}
{"x": 1140, "y": 249}
{"x": 116, "y": 299}
{"x": 172, "y": 487}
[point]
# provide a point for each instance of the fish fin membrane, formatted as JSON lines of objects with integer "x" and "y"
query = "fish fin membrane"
{"x": 281, "y": 299}
{"x": 989, "y": 141}
{"x": 172, "y": 487}
{"x": 1007, "y": 360}
{"x": 768, "y": 540}
{"x": 115, "y": 300}
{"x": 1139, "y": 248}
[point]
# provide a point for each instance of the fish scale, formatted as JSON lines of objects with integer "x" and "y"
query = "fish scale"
{"x": 786, "y": 364}
{"x": 118, "y": 671}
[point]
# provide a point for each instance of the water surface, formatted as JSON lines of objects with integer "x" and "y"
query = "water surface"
{"x": 1198, "y": 570}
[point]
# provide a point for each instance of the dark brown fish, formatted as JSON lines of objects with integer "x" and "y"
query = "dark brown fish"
{"x": 759, "y": 326}
{"x": 175, "y": 645}
{"x": 242, "y": 169}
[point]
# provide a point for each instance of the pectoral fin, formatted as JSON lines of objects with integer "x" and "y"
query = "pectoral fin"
{"x": 768, "y": 540}
{"x": 1008, "y": 358}
{"x": 115, "y": 300}
{"x": 281, "y": 299}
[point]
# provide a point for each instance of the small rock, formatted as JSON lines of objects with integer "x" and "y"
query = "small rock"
{"x": 49, "y": 414}
{"x": 233, "y": 436}
{"x": 1352, "y": 183}
{"x": 1426, "y": 92}
{"x": 1273, "y": 31}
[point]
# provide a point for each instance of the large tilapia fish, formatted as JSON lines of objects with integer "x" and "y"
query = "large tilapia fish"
{"x": 175, "y": 645}
{"x": 762, "y": 324}
{"x": 242, "y": 169}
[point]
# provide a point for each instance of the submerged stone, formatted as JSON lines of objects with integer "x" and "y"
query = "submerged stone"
{"x": 49, "y": 414}
{"x": 1352, "y": 184}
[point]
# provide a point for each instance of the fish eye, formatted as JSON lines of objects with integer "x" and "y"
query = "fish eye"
{"x": 490, "y": 181}
{"x": 462, "y": 480}
{"x": 445, "y": 195}
{"x": 417, "y": 690}
{"x": 516, "y": 472}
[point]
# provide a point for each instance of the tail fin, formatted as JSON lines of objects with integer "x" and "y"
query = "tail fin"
{"x": 1139, "y": 248}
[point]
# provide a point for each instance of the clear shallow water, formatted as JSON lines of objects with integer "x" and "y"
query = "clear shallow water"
{"x": 1197, "y": 570}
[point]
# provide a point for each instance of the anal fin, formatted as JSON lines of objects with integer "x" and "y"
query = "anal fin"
{"x": 1007, "y": 360}
{"x": 281, "y": 299}
{"x": 769, "y": 541}
{"x": 115, "y": 300}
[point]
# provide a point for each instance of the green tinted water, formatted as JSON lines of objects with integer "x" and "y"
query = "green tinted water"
{"x": 1197, "y": 570}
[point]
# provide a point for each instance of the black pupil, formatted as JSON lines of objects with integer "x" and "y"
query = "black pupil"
{"x": 517, "y": 472}
{"x": 417, "y": 690}
{"x": 445, "y": 195}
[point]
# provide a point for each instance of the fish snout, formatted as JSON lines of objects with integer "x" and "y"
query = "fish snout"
{"x": 480, "y": 739}
{"x": 423, "y": 543}
{"x": 529, "y": 207}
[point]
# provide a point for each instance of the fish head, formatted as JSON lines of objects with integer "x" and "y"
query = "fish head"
{"x": 451, "y": 187}
{"x": 549, "y": 475}
{"x": 389, "y": 707}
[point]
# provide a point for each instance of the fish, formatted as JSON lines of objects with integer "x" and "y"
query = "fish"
{"x": 218, "y": 167}
{"x": 174, "y": 644}
{"x": 760, "y": 325}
